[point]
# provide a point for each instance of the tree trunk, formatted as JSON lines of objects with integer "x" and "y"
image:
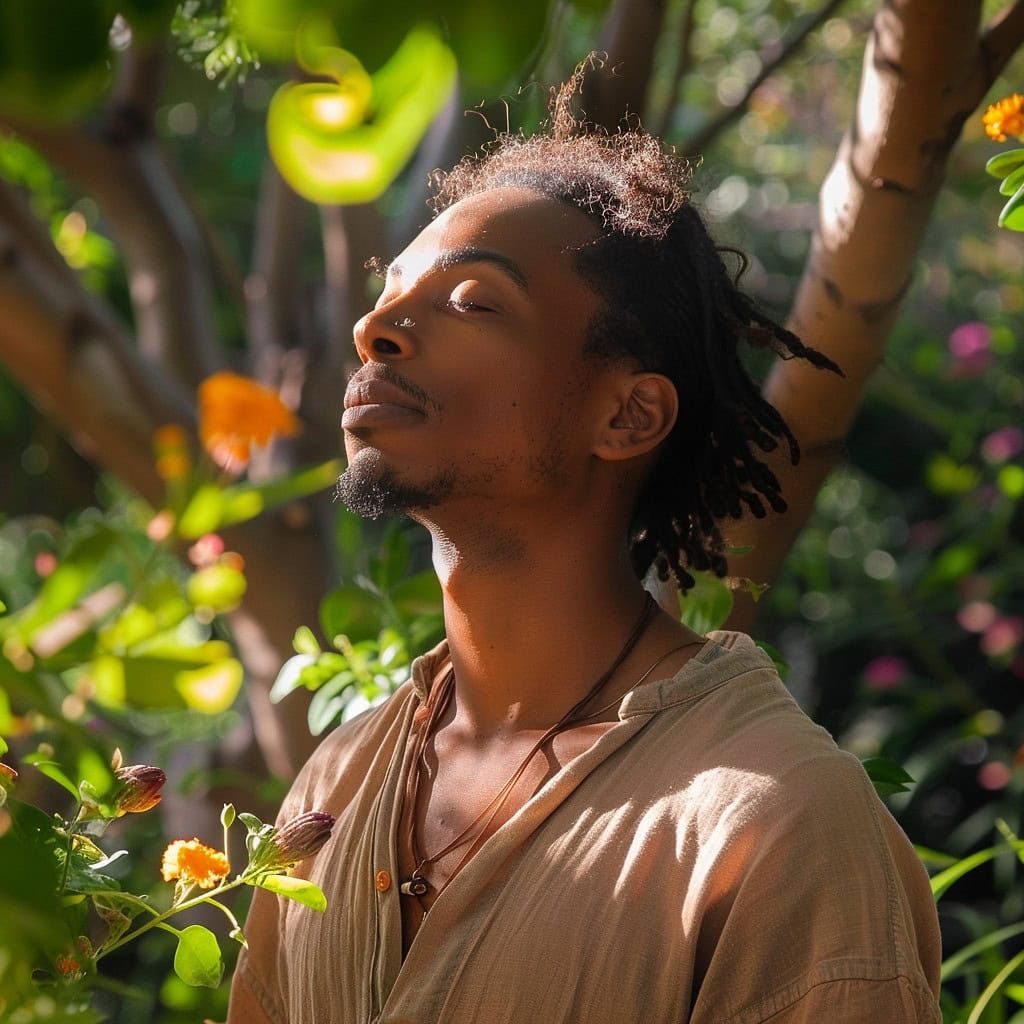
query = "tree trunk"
{"x": 926, "y": 69}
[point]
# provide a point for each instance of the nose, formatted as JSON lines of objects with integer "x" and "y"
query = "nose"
{"x": 384, "y": 335}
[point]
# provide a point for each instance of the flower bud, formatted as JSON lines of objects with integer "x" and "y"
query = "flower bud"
{"x": 139, "y": 789}
{"x": 294, "y": 841}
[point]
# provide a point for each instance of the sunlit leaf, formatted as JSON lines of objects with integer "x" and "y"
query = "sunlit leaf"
{"x": 329, "y": 701}
{"x": 1012, "y": 181}
{"x": 1005, "y": 163}
{"x": 944, "y": 879}
{"x": 1012, "y": 214}
{"x": 197, "y": 960}
{"x": 288, "y": 676}
{"x": 204, "y": 512}
{"x": 329, "y": 158}
{"x": 307, "y": 893}
{"x": 53, "y": 771}
{"x": 707, "y": 604}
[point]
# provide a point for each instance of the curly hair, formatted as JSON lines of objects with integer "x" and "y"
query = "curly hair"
{"x": 671, "y": 305}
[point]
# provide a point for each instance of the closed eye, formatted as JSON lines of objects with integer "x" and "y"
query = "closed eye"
{"x": 462, "y": 306}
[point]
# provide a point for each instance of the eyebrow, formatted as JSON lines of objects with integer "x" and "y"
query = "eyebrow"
{"x": 470, "y": 254}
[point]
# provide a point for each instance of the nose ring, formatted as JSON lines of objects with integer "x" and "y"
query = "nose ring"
{"x": 406, "y": 321}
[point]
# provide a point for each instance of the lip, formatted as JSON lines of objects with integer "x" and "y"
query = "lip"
{"x": 377, "y": 402}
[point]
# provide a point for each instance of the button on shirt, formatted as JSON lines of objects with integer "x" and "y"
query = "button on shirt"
{"x": 712, "y": 859}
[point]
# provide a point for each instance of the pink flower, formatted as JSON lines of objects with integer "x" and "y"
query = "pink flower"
{"x": 45, "y": 563}
{"x": 969, "y": 345}
{"x": 885, "y": 672}
{"x": 977, "y": 616}
{"x": 1002, "y": 444}
{"x": 969, "y": 339}
{"x": 1003, "y": 635}
{"x": 993, "y": 775}
{"x": 206, "y": 550}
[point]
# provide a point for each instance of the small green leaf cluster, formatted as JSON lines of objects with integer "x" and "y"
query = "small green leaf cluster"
{"x": 377, "y": 624}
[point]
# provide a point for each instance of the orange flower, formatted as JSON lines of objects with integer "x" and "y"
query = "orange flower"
{"x": 68, "y": 965}
{"x": 193, "y": 863}
{"x": 1004, "y": 118}
{"x": 236, "y": 413}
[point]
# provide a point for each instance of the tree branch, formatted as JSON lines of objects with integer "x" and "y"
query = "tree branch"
{"x": 70, "y": 354}
{"x": 683, "y": 63}
{"x": 1001, "y": 39}
{"x": 698, "y": 142}
{"x": 133, "y": 185}
{"x": 630, "y": 37}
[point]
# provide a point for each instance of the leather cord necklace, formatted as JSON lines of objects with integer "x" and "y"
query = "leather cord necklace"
{"x": 437, "y": 702}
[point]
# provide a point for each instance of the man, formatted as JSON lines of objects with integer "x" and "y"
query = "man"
{"x": 578, "y": 810}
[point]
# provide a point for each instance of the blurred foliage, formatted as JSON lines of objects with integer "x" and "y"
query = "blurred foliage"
{"x": 900, "y": 614}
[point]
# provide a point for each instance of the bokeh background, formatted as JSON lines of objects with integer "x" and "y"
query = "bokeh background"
{"x": 154, "y": 593}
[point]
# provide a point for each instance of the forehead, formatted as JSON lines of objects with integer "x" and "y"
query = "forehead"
{"x": 539, "y": 236}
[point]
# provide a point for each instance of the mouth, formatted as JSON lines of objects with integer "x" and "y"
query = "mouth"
{"x": 378, "y": 402}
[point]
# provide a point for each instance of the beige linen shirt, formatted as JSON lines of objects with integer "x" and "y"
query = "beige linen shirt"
{"x": 712, "y": 859}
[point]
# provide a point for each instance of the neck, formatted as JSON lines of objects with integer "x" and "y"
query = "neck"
{"x": 532, "y": 621}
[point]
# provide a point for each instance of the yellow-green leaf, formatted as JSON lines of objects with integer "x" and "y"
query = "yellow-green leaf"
{"x": 307, "y": 893}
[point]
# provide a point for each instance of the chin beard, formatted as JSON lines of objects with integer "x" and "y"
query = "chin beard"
{"x": 372, "y": 490}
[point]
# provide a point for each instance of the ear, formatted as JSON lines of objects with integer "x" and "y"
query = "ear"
{"x": 642, "y": 413}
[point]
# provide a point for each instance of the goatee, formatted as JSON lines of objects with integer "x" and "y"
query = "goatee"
{"x": 372, "y": 490}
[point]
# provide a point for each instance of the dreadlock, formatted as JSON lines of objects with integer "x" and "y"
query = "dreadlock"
{"x": 670, "y": 304}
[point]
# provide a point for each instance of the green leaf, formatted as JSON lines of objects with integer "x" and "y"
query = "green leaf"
{"x": 418, "y": 595}
{"x": 250, "y": 821}
{"x": 887, "y": 776}
{"x": 197, "y": 960}
{"x": 352, "y": 612}
{"x": 246, "y": 501}
{"x": 1004, "y": 163}
{"x": 53, "y": 771}
{"x": 944, "y": 879}
{"x": 298, "y": 889}
{"x": 329, "y": 701}
{"x": 707, "y": 604}
{"x": 388, "y": 567}
{"x": 203, "y": 513}
{"x": 1012, "y": 181}
{"x": 290, "y": 676}
{"x": 780, "y": 663}
{"x": 1012, "y": 214}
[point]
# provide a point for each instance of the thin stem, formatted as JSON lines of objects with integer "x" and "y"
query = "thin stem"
{"x": 72, "y": 826}
{"x": 174, "y": 909}
{"x": 227, "y": 913}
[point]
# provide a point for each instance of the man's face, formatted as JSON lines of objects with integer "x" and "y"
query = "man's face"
{"x": 475, "y": 387}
